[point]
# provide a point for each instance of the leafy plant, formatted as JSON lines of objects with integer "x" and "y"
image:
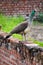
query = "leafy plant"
{"x": 39, "y": 17}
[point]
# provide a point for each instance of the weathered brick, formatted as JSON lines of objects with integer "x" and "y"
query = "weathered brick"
{"x": 8, "y": 6}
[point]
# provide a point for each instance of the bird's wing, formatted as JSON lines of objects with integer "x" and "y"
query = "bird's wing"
{"x": 21, "y": 27}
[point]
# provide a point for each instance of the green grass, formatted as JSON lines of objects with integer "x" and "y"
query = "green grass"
{"x": 9, "y": 22}
{"x": 38, "y": 42}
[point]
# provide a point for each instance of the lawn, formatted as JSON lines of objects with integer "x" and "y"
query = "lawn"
{"x": 36, "y": 42}
{"x": 9, "y": 22}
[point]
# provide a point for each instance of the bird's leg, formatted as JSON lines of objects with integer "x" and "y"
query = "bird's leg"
{"x": 24, "y": 38}
{"x": 30, "y": 32}
{"x": 27, "y": 36}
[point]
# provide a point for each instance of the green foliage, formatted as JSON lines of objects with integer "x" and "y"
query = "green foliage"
{"x": 39, "y": 17}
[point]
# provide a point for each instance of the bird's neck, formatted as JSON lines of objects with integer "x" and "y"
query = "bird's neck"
{"x": 31, "y": 15}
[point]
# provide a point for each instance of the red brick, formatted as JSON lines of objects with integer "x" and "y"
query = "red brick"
{"x": 10, "y": 5}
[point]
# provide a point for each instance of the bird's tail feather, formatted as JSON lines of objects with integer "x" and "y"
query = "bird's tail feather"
{"x": 7, "y": 36}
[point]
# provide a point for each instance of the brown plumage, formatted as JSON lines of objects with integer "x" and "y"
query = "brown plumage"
{"x": 23, "y": 27}
{"x": 20, "y": 28}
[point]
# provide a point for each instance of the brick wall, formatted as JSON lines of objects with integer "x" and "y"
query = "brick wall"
{"x": 9, "y": 57}
{"x": 14, "y": 57}
{"x": 11, "y": 7}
